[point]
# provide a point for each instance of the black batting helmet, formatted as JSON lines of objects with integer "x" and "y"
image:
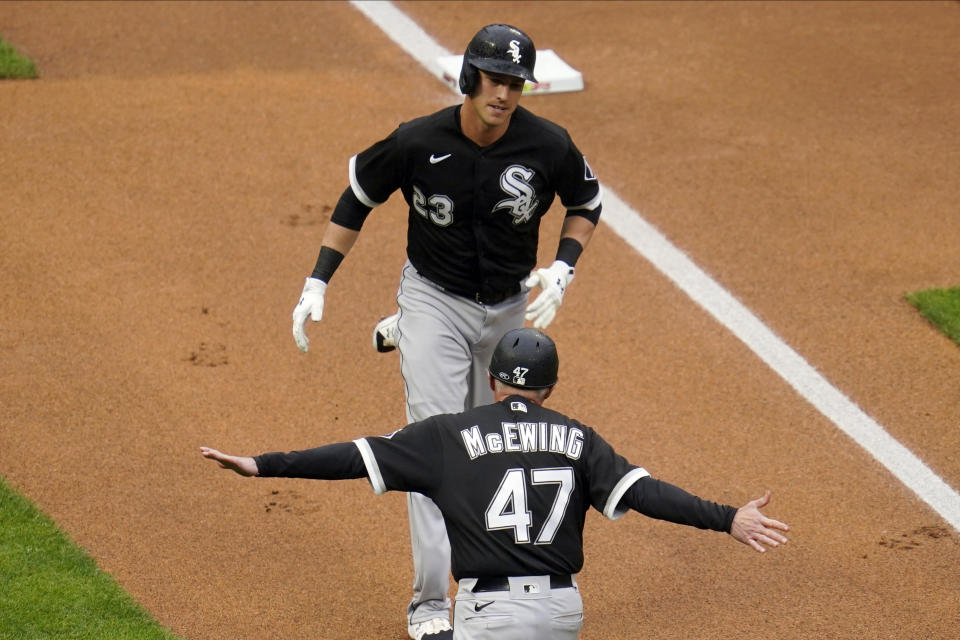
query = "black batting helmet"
{"x": 498, "y": 48}
{"x": 525, "y": 358}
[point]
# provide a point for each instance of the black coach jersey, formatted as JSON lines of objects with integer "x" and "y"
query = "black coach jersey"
{"x": 513, "y": 480}
{"x": 475, "y": 211}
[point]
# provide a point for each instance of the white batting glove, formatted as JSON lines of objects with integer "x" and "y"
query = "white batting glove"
{"x": 311, "y": 304}
{"x": 553, "y": 281}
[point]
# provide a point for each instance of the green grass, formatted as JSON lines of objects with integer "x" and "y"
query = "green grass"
{"x": 14, "y": 65}
{"x": 49, "y": 588}
{"x": 941, "y": 307}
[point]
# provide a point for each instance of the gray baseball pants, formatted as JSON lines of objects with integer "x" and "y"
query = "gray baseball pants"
{"x": 530, "y": 610}
{"x": 445, "y": 343}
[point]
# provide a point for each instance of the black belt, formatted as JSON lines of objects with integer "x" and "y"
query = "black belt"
{"x": 488, "y": 297}
{"x": 480, "y": 297}
{"x": 495, "y": 297}
{"x": 503, "y": 583}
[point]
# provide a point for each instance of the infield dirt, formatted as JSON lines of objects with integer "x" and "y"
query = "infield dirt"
{"x": 162, "y": 195}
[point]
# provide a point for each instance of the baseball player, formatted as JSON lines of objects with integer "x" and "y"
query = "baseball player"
{"x": 477, "y": 177}
{"x": 514, "y": 482}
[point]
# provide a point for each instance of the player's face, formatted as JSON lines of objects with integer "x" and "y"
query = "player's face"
{"x": 496, "y": 98}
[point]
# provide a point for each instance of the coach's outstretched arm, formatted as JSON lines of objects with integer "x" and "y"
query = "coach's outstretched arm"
{"x": 664, "y": 501}
{"x": 337, "y": 461}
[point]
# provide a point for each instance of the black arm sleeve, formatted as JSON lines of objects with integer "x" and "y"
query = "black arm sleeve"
{"x": 593, "y": 215}
{"x": 664, "y": 501}
{"x": 350, "y": 212}
{"x": 341, "y": 461}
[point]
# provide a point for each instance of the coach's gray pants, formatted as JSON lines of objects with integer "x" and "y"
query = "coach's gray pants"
{"x": 445, "y": 345}
{"x": 530, "y": 610}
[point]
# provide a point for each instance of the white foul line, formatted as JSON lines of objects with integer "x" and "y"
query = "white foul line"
{"x": 405, "y": 32}
{"x": 727, "y": 310}
{"x": 786, "y": 362}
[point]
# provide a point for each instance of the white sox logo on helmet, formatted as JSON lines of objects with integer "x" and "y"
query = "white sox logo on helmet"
{"x": 515, "y": 181}
{"x": 515, "y": 51}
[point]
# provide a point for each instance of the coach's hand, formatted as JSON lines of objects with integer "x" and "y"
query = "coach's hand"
{"x": 242, "y": 465}
{"x": 311, "y": 304}
{"x": 553, "y": 281}
{"x": 753, "y": 528}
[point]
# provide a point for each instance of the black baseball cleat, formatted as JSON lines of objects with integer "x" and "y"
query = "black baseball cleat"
{"x": 386, "y": 332}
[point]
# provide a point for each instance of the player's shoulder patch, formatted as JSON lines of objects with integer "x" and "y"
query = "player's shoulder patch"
{"x": 588, "y": 174}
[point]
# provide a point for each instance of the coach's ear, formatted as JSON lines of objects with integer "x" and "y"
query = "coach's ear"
{"x": 493, "y": 387}
{"x": 549, "y": 390}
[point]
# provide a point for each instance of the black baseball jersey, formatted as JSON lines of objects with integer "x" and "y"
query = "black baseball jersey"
{"x": 475, "y": 211}
{"x": 513, "y": 479}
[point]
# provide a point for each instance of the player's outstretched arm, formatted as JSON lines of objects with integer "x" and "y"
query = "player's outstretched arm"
{"x": 751, "y": 527}
{"x": 238, "y": 464}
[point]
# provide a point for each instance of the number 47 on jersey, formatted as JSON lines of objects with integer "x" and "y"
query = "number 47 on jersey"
{"x": 509, "y": 507}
